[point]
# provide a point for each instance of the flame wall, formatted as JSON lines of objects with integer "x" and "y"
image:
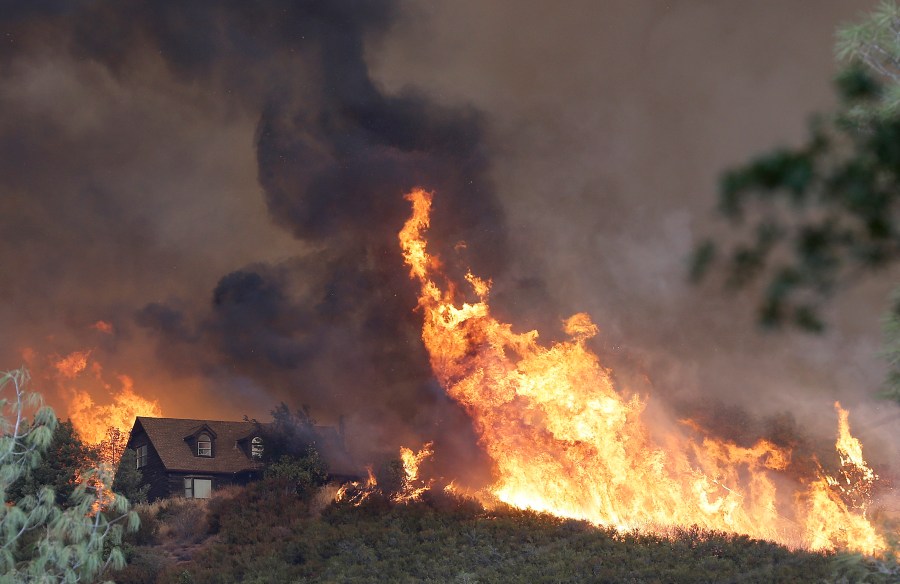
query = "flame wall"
{"x": 563, "y": 439}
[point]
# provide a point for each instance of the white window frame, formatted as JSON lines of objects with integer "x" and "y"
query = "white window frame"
{"x": 140, "y": 458}
{"x": 256, "y": 447}
{"x": 204, "y": 447}
{"x": 190, "y": 487}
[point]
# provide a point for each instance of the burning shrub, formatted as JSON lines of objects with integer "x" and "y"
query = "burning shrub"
{"x": 266, "y": 535}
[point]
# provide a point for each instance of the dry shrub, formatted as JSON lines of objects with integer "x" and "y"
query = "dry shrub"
{"x": 145, "y": 564}
{"x": 148, "y": 532}
{"x": 323, "y": 498}
{"x": 182, "y": 520}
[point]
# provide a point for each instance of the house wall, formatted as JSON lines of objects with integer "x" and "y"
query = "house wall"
{"x": 175, "y": 480}
{"x": 154, "y": 472}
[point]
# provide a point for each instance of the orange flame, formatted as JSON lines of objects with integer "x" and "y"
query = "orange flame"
{"x": 355, "y": 492}
{"x": 101, "y": 413}
{"x": 564, "y": 440}
{"x": 93, "y": 421}
{"x": 412, "y": 486}
{"x": 72, "y": 364}
{"x": 98, "y": 482}
{"x": 850, "y": 451}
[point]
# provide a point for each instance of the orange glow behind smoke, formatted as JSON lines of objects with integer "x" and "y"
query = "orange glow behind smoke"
{"x": 73, "y": 364}
{"x": 564, "y": 440}
{"x": 103, "y": 327}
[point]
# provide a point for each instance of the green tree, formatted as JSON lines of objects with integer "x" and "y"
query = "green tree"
{"x": 66, "y": 456}
{"x": 128, "y": 480}
{"x": 807, "y": 220}
{"x": 288, "y": 434}
{"x": 301, "y": 475}
{"x": 810, "y": 218}
{"x": 289, "y": 451}
{"x": 40, "y": 541}
{"x": 874, "y": 41}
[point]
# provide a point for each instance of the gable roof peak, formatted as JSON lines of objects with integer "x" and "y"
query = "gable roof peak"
{"x": 203, "y": 428}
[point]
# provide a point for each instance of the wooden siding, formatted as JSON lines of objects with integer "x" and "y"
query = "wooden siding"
{"x": 154, "y": 472}
{"x": 176, "y": 480}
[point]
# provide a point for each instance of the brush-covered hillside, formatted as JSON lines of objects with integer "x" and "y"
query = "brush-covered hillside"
{"x": 267, "y": 533}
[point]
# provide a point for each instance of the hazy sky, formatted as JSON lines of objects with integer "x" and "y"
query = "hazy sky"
{"x": 224, "y": 185}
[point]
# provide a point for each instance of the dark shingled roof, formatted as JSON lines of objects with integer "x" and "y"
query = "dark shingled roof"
{"x": 177, "y": 454}
{"x": 168, "y": 437}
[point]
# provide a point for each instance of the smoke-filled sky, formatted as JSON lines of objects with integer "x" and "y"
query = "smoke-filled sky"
{"x": 221, "y": 183}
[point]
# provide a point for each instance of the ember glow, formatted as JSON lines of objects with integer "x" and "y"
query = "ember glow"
{"x": 564, "y": 440}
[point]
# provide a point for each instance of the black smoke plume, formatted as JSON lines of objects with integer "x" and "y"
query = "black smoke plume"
{"x": 333, "y": 328}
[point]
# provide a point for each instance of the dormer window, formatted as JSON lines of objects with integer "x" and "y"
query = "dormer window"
{"x": 204, "y": 445}
{"x": 256, "y": 447}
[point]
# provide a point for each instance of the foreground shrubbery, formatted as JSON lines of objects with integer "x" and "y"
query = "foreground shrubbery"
{"x": 265, "y": 534}
{"x": 58, "y": 521}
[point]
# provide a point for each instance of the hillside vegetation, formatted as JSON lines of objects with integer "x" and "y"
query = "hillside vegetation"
{"x": 266, "y": 533}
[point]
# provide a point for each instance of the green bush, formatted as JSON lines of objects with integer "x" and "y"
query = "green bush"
{"x": 301, "y": 475}
{"x": 129, "y": 479}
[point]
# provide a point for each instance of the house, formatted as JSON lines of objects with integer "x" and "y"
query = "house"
{"x": 194, "y": 458}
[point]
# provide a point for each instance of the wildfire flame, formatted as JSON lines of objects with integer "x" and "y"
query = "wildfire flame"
{"x": 98, "y": 483}
{"x": 72, "y": 364}
{"x": 93, "y": 420}
{"x": 564, "y": 440}
{"x": 101, "y": 409}
{"x": 412, "y": 486}
{"x": 355, "y": 492}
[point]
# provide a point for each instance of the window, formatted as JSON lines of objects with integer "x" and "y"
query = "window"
{"x": 204, "y": 445}
{"x": 141, "y": 460}
{"x": 197, "y": 488}
{"x": 256, "y": 447}
{"x": 202, "y": 488}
